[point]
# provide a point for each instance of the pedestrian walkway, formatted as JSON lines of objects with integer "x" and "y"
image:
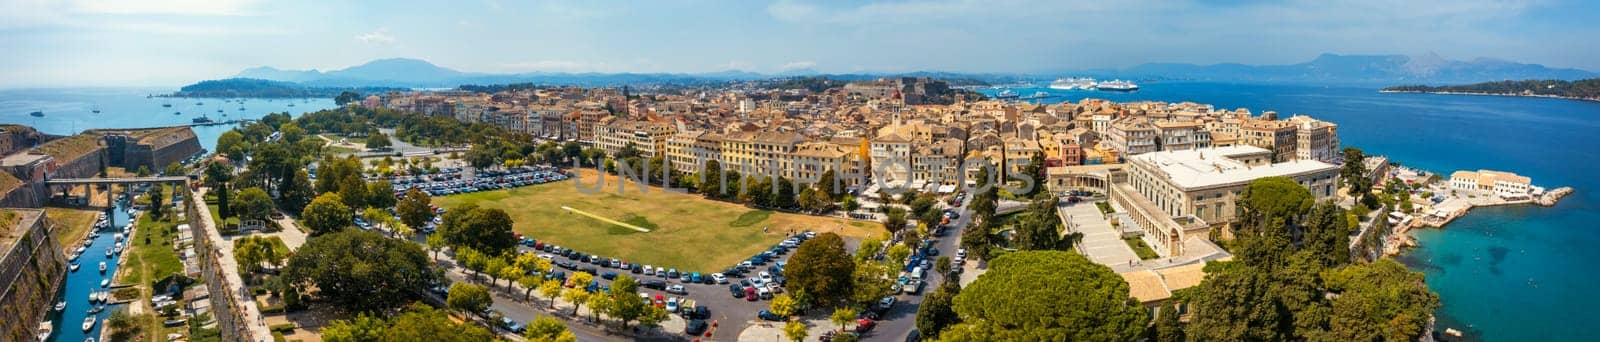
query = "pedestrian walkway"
{"x": 1101, "y": 242}
{"x": 251, "y": 317}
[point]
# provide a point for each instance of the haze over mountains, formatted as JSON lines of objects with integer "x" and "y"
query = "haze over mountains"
{"x": 1376, "y": 70}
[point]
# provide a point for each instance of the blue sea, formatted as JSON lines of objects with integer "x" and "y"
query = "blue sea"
{"x": 1521, "y": 273}
{"x": 68, "y": 111}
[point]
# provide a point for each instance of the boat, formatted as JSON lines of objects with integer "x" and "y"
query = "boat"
{"x": 1006, "y": 94}
{"x": 88, "y": 339}
{"x": 37, "y": 114}
{"x": 177, "y": 113}
{"x": 94, "y": 109}
{"x": 88, "y": 323}
{"x": 202, "y": 120}
{"x": 166, "y": 105}
{"x": 102, "y": 267}
{"x": 45, "y": 329}
{"x": 1117, "y": 85}
{"x": 73, "y": 257}
{"x": 1071, "y": 83}
{"x": 199, "y": 103}
{"x": 61, "y": 305}
{"x": 105, "y": 282}
{"x": 74, "y": 267}
{"x": 291, "y": 104}
{"x": 94, "y": 297}
{"x": 97, "y": 309}
{"x": 108, "y": 252}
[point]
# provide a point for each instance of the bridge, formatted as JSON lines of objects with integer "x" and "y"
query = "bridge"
{"x": 126, "y": 180}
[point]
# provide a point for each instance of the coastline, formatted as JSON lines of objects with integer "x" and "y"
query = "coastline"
{"x": 1400, "y": 240}
{"x": 1559, "y": 97}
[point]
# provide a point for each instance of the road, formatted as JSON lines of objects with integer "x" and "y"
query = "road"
{"x": 896, "y": 324}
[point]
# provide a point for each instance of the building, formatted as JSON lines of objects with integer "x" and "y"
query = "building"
{"x": 1505, "y": 184}
{"x": 1133, "y": 136}
{"x": 1181, "y": 135}
{"x": 1175, "y": 195}
{"x": 1281, "y": 138}
{"x": 1316, "y": 140}
{"x": 649, "y": 138}
{"x": 32, "y": 267}
{"x": 891, "y": 157}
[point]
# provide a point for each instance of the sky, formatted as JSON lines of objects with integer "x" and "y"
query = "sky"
{"x": 63, "y": 43}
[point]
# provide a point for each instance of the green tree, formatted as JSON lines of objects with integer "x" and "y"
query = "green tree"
{"x": 1236, "y": 304}
{"x": 299, "y": 193}
{"x": 472, "y": 299}
{"x": 346, "y": 97}
{"x": 1379, "y": 301}
{"x": 158, "y": 204}
{"x": 253, "y": 204}
{"x": 362, "y": 328}
{"x": 550, "y": 289}
{"x": 795, "y": 330}
{"x": 1167, "y": 327}
{"x": 942, "y": 265}
{"x": 422, "y": 320}
{"x": 360, "y": 271}
{"x": 378, "y": 140}
{"x": 545, "y": 328}
{"x": 625, "y": 306}
{"x": 485, "y": 229}
{"x": 898, "y": 253}
{"x": 843, "y": 317}
{"x": 380, "y": 194}
{"x": 895, "y": 219}
{"x": 353, "y": 191}
{"x": 124, "y": 326}
{"x": 174, "y": 169}
{"x": 821, "y": 268}
{"x": 326, "y": 214}
{"x": 435, "y": 243}
{"x": 1354, "y": 173}
{"x": 784, "y": 305}
{"x": 1049, "y": 295}
{"x": 870, "y": 282}
{"x": 937, "y": 311}
{"x": 232, "y": 144}
{"x": 416, "y": 208}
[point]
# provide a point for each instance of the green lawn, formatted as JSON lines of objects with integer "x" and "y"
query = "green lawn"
{"x": 148, "y": 262}
{"x": 687, "y": 232}
{"x": 1143, "y": 250}
{"x": 71, "y": 224}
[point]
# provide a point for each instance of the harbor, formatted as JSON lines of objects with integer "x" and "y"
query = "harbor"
{"x": 85, "y": 298}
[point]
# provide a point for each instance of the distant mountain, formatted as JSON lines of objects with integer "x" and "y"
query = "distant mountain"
{"x": 1325, "y": 69}
{"x": 1359, "y": 69}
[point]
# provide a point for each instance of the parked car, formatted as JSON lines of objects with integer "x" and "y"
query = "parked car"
{"x": 719, "y": 278}
{"x": 765, "y": 277}
{"x": 699, "y": 312}
{"x": 768, "y": 315}
{"x": 653, "y": 284}
{"x": 695, "y": 327}
{"x": 511, "y": 325}
{"x": 885, "y": 303}
{"x": 608, "y": 275}
{"x": 738, "y": 291}
{"x": 677, "y": 289}
{"x": 865, "y": 325}
{"x": 750, "y": 294}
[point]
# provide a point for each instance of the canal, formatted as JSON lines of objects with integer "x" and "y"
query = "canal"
{"x": 86, "y": 280}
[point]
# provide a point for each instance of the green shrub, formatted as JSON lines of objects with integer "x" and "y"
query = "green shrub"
{"x": 283, "y": 328}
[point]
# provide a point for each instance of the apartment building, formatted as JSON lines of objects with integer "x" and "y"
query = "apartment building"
{"x": 1281, "y": 138}
{"x": 650, "y": 138}
{"x": 1132, "y": 136}
{"x": 1501, "y": 183}
{"x": 1316, "y": 139}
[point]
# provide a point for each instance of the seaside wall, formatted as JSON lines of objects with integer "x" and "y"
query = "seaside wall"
{"x": 15, "y": 138}
{"x": 151, "y": 148}
{"x": 31, "y": 269}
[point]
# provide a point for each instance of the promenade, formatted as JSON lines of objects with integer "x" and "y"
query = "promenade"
{"x": 251, "y": 314}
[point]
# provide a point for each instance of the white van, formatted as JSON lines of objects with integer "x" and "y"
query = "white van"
{"x": 916, "y": 273}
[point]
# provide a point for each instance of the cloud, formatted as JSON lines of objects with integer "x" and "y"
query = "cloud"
{"x": 176, "y": 7}
{"x": 797, "y": 65}
{"x": 792, "y": 11}
{"x": 381, "y": 36}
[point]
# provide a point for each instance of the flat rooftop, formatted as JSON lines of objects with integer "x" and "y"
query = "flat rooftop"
{"x": 1208, "y": 167}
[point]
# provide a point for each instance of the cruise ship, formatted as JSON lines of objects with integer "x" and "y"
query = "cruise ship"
{"x": 1007, "y": 94}
{"x": 1084, "y": 83}
{"x": 1117, "y": 85}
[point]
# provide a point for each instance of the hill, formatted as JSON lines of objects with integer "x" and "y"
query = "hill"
{"x": 1588, "y": 89}
{"x": 259, "y": 88}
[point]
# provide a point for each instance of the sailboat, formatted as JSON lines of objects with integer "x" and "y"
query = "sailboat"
{"x": 166, "y": 105}
{"x": 95, "y": 109}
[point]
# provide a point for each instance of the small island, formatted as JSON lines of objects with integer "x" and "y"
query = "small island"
{"x": 1587, "y": 90}
{"x": 259, "y": 88}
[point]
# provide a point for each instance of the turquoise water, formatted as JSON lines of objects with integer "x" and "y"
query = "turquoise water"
{"x": 70, "y": 110}
{"x": 1504, "y": 274}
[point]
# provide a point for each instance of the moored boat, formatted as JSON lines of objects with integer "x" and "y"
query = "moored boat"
{"x": 74, "y": 267}
{"x": 102, "y": 267}
{"x": 61, "y": 305}
{"x": 105, "y": 282}
{"x": 88, "y": 323}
